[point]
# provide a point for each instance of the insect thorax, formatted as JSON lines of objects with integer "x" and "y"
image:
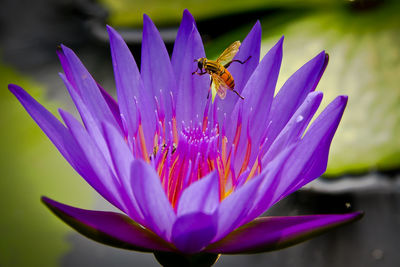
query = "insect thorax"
{"x": 213, "y": 67}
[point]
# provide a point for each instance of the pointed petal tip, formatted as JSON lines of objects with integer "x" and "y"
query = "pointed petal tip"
{"x": 61, "y": 112}
{"x": 109, "y": 28}
{"x": 49, "y": 203}
{"x": 316, "y": 94}
{"x": 325, "y": 61}
{"x": 320, "y": 57}
{"x": 187, "y": 14}
{"x": 14, "y": 88}
{"x": 59, "y": 48}
{"x": 348, "y": 217}
{"x": 344, "y": 98}
{"x": 326, "y": 58}
{"x": 149, "y": 30}
{"x": 62, "y": 76}
{"x": 112, "y": 33}
{"x": 280, "y": 42}
{"x": 109, "y": 228}
{"x": 19, "y": 92}
{"x": 44, "y": 199}
{"x": 65, "y": 49}
{"x": 257, "y": 27}
{"x": 69, "y": 54}
{"x": 341, "y": 100}
{"x": 273, "y": 233}
{"x": 66, "y": 117}
{"x": 278, "y": 47}
{"x": 146, "y": 19}
{"x": 358, "y": 214}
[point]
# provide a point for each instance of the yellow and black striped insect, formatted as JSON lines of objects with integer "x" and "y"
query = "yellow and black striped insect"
{"x": 221, "y": 78}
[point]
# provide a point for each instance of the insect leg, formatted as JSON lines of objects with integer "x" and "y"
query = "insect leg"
{"x": 236, "y": 60}
{"x": 199, "y": 73}
{"x": 236, "y": 92}
{"x": 209, "y": 89}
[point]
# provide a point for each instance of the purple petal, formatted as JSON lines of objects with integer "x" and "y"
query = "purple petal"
{"x": 235, "y": 207}
{"x": 109, "y": 228}
{"x": 103, "y": 181}
{"x": 113, "y": 105}
{"x": 270, "y": 181}
{"x": 122, "y": 158}
{"x": 66, "y": 67}
{"x": 130, "y": 87}
{"x": 273, "y": 233}
{"x": 293, "y": 93}
{"x": 258, "y": 95}
{"x": 53, "y": 128}
{"x": 309, "y": 160}
{"x": 156, "y": 69}
{"x": 178, "y": 54}
{"x": 88, "y": 119}
{"x": 250, "y": 48}
{"x": 296, "y": 126}
{"x": 241, "y": 73}
{"x": 65, "y": 142}
{"x": 192, "y": 232}
{"x": 192, "y": 89}
{"x": 157, "y": 211}
{"x": 87, "y": 89}
{"x": 127, "y": 79}
{"x": 201, "y": 196}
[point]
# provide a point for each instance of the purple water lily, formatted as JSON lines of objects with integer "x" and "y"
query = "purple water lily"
{"x": 192, "y": 175}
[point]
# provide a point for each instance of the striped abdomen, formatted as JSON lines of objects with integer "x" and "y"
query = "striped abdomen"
{"x": 215, "y": 67}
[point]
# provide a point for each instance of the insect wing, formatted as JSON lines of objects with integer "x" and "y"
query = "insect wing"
{"x": 219, "y": 85}
{"x": 229, "y": 53}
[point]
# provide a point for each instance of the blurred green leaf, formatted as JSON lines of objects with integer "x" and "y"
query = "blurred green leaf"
{"x": 364, "y": 49}
{"x": 130, "y": 12}
{"x": 31, "y": 167}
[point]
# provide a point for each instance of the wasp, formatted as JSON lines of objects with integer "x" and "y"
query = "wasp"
{"x": 221, "y": 78}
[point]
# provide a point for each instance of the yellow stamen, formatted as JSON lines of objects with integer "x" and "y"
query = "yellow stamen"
{"x": 143, "y": 144}
{"x": 246, "y": 158}
{"x": 174, "y": 130}
{"x": 223, "y": 149}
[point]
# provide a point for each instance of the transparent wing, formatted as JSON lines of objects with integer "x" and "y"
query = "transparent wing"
{"x": 229, "y": 53}
{"x": 219, "y": 86}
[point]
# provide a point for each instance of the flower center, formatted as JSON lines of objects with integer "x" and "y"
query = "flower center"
{"x": 184, "y": 153}
{"x": 195, "y": 155}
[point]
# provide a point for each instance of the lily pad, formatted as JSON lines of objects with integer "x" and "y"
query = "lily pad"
{"x": 31, "y": 167}
{"x": 364, "y": 48}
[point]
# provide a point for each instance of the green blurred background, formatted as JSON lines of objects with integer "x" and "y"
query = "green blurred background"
{"x": 362, "y": 38}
